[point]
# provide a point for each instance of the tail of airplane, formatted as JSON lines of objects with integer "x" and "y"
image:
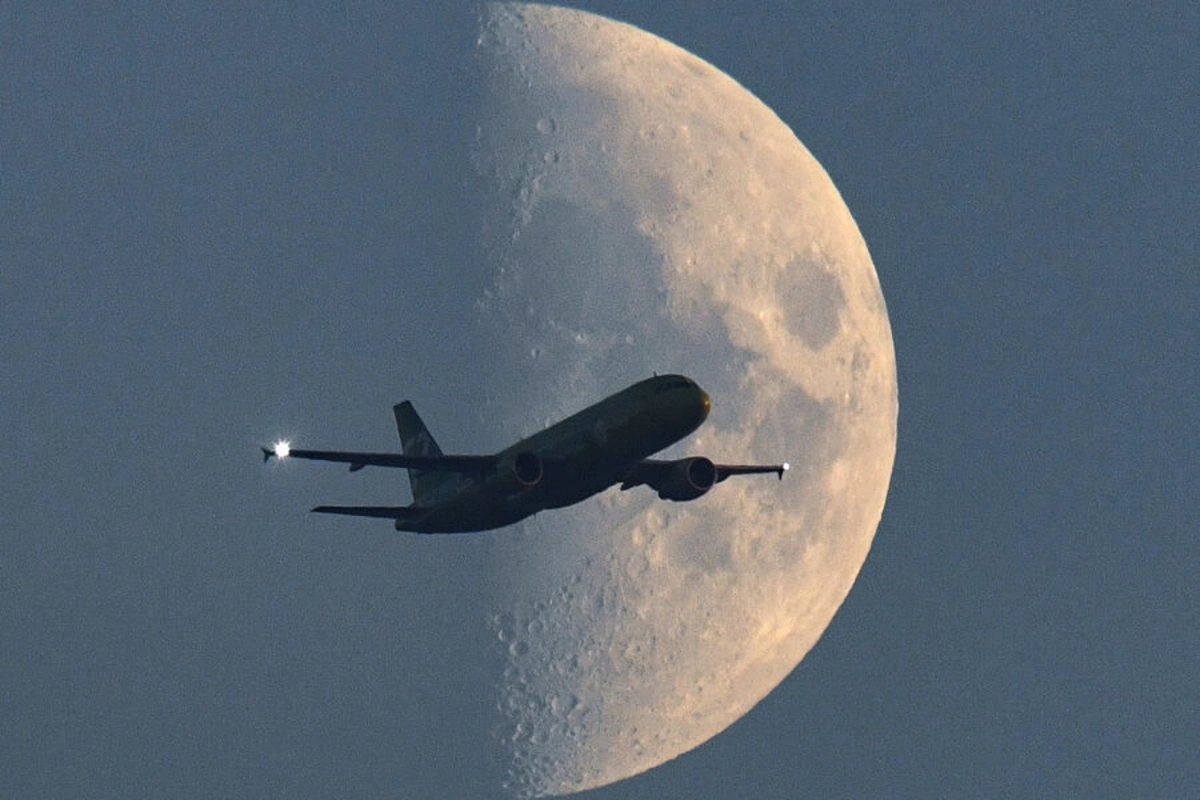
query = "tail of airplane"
{"x": 428, "y": 486}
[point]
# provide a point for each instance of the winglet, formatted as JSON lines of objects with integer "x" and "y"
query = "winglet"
{"x": 784, "y": 467}
{"x": 280, "y": 450}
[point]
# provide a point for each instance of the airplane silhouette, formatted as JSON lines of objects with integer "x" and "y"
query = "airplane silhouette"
{"x": 605, "y": 444}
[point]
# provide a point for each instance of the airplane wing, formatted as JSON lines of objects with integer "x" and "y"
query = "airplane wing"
{"x": 463, "y": 464}
{"x": 725, "y": 470}
{"x": 689, "y": 478}
{"x": 650, "y": 470}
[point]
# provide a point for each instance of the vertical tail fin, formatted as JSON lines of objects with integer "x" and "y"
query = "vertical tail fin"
{"x": 416, "y": 440}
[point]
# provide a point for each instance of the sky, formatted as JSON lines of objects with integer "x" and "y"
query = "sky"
{"x": 219, "y": 228}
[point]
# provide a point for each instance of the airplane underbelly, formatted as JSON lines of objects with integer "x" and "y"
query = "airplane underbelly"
{"x": 483, "y": 509}
{"x": 471, "y": 518}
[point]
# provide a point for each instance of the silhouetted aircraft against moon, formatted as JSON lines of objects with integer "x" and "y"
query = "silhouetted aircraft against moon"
{"x": 605, "y": 444}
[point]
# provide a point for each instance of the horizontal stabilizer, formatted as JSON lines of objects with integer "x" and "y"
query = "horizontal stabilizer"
{"x": 383, "y": 512}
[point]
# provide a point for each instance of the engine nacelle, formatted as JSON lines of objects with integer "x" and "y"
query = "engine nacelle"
{"x": 522, "y": 472}
{"x": 688, "y": 479}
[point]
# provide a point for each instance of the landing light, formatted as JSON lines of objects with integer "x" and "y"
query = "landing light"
{"x": 283, "y": 449}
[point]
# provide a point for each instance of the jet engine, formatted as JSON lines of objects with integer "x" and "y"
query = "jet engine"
{"x": 522, "y": 472}
{"x": 687, "y": 479}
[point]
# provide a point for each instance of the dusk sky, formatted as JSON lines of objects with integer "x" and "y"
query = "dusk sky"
{"x": 223, "y": 227}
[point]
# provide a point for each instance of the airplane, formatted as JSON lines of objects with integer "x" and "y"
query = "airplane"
{"x": 603, "y": 445}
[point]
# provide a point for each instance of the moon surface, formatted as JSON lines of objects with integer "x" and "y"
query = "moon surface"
{"x": 643, "y": 213}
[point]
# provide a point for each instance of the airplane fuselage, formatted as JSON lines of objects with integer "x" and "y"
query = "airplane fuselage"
{"x": 574, "y": 459}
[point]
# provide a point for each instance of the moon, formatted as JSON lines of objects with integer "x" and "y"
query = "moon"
{"x": 643, "y": 212}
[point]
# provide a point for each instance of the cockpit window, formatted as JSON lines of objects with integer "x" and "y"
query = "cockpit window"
{"x": 679, "y": 383}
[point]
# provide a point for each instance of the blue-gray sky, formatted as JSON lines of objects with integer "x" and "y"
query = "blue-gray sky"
{"x": 217, "y": 224}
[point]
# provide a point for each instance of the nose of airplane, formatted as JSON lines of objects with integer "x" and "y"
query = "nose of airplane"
{"x": 706, "y": 404}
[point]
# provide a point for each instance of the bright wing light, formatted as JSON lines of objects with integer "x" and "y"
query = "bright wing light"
{"x": 282, "y": 449}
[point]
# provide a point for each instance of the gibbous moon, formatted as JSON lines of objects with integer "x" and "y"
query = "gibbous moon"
{"x": 643, "y": 213}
